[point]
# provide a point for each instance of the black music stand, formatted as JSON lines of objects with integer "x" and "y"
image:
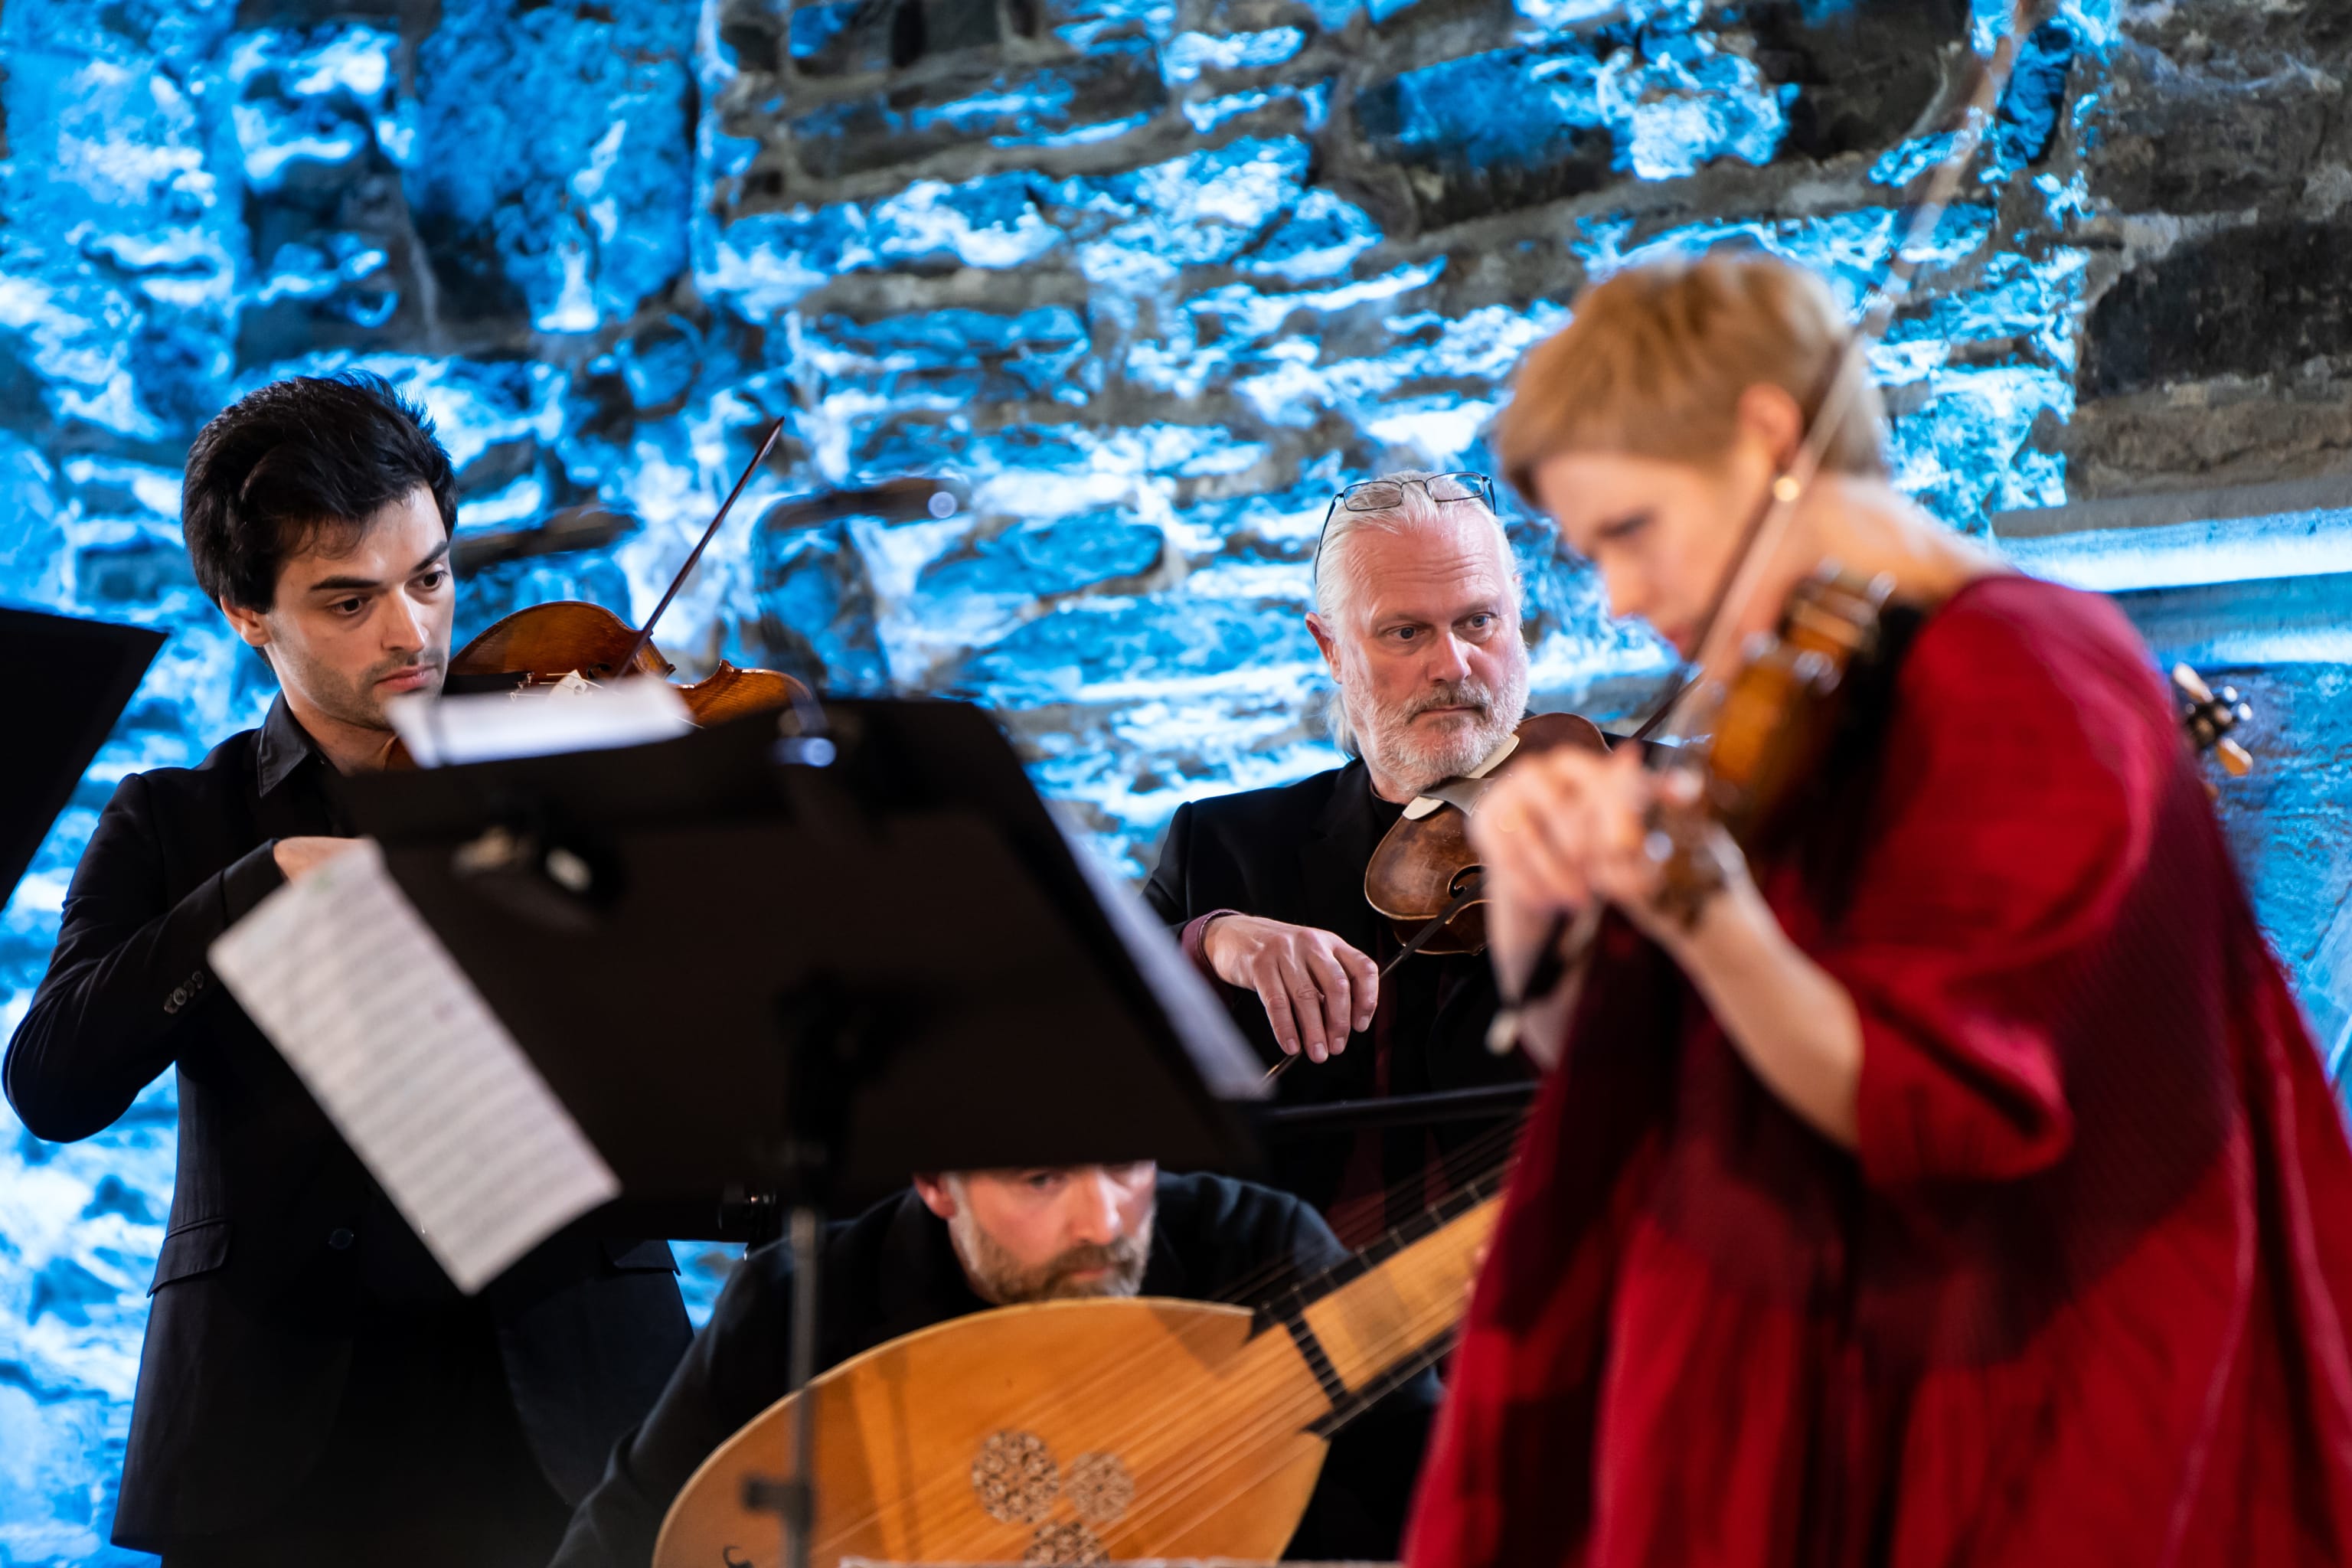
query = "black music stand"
{"x": 85, "y": 674}
{"x": 756, "y": 959}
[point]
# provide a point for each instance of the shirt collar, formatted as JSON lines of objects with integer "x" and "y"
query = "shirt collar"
{"x": 283, "y": 747}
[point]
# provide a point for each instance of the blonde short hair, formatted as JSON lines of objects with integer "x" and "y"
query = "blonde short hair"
{"x": 1654, "y": 360}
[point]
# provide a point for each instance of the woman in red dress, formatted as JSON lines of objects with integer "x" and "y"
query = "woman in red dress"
{"x": 1961, "y": 1185}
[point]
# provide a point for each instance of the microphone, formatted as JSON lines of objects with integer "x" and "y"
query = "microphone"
{"x": 914, "y": 498}
{"x": 588, "y": 527}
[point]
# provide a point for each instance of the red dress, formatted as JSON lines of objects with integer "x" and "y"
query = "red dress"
{"x": 2079, "y": 1296}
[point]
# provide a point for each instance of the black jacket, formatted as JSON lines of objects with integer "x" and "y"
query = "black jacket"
{"x": 893, "y": 1270}
{"x": 1298, "y": 853}
{"x": 281, "y": 1251}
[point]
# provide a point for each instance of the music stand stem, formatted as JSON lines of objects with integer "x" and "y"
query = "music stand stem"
{"x": 798, "y": 1500}
{"x": 832, "y": 1043}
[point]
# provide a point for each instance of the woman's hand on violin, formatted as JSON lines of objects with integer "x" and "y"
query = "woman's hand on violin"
{"x": 1317, "y": 989}
{"x": 1568, "y": 830}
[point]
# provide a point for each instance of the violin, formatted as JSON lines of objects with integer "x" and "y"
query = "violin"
{"x": 549, "y": 644}
{"x": 545, "y": 644}
{"x": 1771, "y": 729}
{"x": 1778, "y": 715}
{"x": 1424, "y": 877}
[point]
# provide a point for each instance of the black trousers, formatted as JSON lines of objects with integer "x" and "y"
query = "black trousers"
{"x": 426, "y": 1464}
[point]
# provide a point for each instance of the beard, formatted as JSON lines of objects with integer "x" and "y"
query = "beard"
{"x": 1002, "y": 1280}
{"x": 354, "y": 699}
{"x": 1421, "y": 756}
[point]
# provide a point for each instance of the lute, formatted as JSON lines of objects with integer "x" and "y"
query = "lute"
{"x": 1084, "y": 1431}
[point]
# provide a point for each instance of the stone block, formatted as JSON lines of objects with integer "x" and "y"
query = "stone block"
{"x": 1099, "y": 94}
{"x": 1513, "y": 128}
{"x": 1099, "y": 648}
{"x": 2232, "y": 33}
{"x": 1047, "y": 559}
{"x": 756, "y": 33}
{"x": 555, "y": 169}
{"x": 2188, "y": 142}
{"x": 834, "y": 38}
{"x": 923, "y": 359}
{"x": 1865, "y": 75}
{"x": 1319, "y": 236}
{"x": 2243, "y": 302}
{"x": 143, "y": 569}
{"x": 1084, "y": 24}
{"x": 2206, "y": 434}
{"x": 817, "y": 615}
{"x": 2026, "y": 122}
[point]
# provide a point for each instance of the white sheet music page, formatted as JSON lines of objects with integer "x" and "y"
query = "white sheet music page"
{"x": 349, "y": 983}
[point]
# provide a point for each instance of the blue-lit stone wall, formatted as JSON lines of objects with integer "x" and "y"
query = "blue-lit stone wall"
{"x": 1150, "y": 278}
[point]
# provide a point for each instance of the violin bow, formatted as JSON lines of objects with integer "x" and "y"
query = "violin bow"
{"x": 1842, "y": 380}
{"x": 767, "y": 444}
{"x": 1566, "y": 944}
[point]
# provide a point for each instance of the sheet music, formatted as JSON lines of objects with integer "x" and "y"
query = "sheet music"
{"x": 574, "y": 715}
{"x": 349, "y": 983}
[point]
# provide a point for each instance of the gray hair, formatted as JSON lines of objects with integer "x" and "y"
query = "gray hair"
{"x": 1333, "y": 586}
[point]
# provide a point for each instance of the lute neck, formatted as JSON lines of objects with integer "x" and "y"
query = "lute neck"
{"x": 1376, "y": 1321}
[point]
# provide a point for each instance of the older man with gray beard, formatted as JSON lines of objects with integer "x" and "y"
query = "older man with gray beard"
{"x": 1417, "y": 614}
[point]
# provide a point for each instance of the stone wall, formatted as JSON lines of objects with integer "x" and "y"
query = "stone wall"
{"x": 1149, "y": 278}
{"x": 2218, "y": 347}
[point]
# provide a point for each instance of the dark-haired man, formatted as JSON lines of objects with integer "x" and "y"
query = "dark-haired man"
{"x": 314, "y": 1388}
{"x": 957, "y": 1244}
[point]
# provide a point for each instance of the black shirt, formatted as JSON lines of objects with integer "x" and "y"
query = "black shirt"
{"x": 893, "y": 1270}
{"x": 311, "y": 1382}
{"x": 1298, "y": 853}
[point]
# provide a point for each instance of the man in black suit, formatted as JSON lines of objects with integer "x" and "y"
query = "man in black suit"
{"x": 314, "y": 1388}
{"x": 1417, "y": 614}
{"x": 961, "y": 1243}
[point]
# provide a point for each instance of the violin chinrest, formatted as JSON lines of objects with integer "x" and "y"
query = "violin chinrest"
{"x": 1423, "y": 862}
{"x": 548, "y": 642}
